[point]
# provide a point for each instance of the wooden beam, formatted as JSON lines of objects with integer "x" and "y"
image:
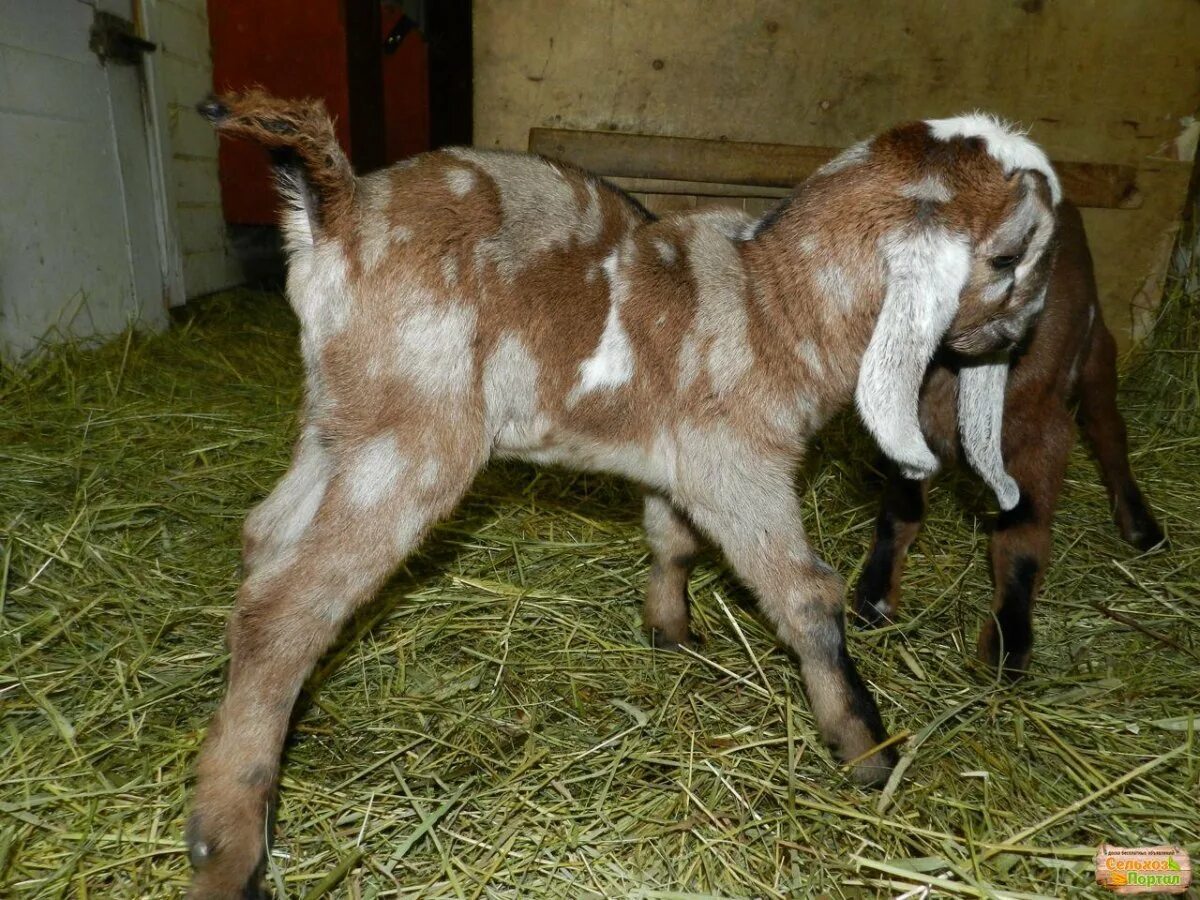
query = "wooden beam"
{"x": 759, "y": 165}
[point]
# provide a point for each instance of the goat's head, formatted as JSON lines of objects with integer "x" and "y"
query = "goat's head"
{"x": 966, "y": 246}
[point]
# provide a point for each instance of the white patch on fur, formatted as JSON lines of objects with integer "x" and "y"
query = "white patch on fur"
{"x": 374, "y": 472}
{"x": 538, "y": 206}
{"x": 450, "y": 270}
{"x": 732, "y": 223}
{"x": 285, "y": 515}
{"x": 510, "y": 396}
{"x": 401, "y": 233}
{"x": 925, "y": 274}
{"x": 460, "y": 181}
{"x": 980, "y": 425}
{"x": 591, "y": 225}
{"x": 1005, "y": 143}
{"x": 376, "y": 233}
{"x": 297, "y": 212}
{"x": 835, "y": 286}
{"x": 721, "y": 318}
{"x": 433, "y": 347}
{"x": 666, "y": 251}
{"x": 427, "y": 477}
{"x": 930, "y": 188}
{"x": 808, "y": 351}
{"x": 611, "y": 366}
{"x": 853, "y": 155}
{"x": 318, "y": 290}
{"x": 690, "y": 362}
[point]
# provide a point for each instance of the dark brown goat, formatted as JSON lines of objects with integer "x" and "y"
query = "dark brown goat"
{"x": 1069, "y": 356}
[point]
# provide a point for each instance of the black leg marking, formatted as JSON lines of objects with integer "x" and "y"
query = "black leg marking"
{"x": 1144, "y": 531}
{"x": 903, "y": 503}
{"x": 870, "y": 594}
{"x": 862, "y": 702}
{"x": 1023, "y": 513}
{"x": 1014, "y": 617}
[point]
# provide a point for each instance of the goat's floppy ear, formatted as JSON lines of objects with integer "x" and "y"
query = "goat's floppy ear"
{"x": 980, "y": 420}
{"x": 926, "y": 271}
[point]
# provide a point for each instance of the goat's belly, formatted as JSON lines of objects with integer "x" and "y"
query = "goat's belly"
{"x": 538, "y": 441}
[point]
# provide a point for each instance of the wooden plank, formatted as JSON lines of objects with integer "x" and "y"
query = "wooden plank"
{"x": 683, "y": 159}
{"x": 774, "y": 166}
{"x": 696, "y": 188}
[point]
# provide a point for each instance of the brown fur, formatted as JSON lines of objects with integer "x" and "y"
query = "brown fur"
{"x": 466, "y": 305}
{"x": 1069, "y": 357}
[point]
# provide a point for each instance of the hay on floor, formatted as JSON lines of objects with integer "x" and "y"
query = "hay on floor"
{"x": 501, "y": 727}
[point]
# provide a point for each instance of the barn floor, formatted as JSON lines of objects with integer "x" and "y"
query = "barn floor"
{"x": 502, "y": 728}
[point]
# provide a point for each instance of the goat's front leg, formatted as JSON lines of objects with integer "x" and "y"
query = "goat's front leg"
{"x": 754, "y": 517}
{"x": 287, "y": 614}
{"x": 1037, "y": 445}
{"x": 673, "y": 546}
{"x": 877, "y": 594}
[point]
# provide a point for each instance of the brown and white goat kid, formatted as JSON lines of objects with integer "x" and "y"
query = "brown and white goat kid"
{"x": 1069, "y": 355}
{"x": 471, "y": 304}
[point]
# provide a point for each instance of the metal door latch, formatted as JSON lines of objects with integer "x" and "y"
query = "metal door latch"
{"x": 116, "y": 39}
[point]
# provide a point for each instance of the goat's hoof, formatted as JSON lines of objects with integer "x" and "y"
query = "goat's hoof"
{"x": 660, "y": 641}
{"x": 1012, "y": 666}
{"x": 876, "y": 769}
{"x": 873, "y": 613}
{"x": 1146, "y": 535}
{"x": 213, "y": 878}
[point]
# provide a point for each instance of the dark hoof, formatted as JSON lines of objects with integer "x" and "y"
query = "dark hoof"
{"x": 1012, "y": 666}
{"x": 659, "y": 641}
{"x": 876, "y": 769}
{"x": 1146, "y": 535}
{"x": 199, "y": 850}
{"x": 872, "y": 613}
{"x": 209, "y": 882}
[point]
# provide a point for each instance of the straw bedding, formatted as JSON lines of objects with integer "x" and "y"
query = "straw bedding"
{"x": 496, "y": 724}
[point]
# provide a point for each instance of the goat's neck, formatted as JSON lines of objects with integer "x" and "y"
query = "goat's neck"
{"x": 822, "y": 309}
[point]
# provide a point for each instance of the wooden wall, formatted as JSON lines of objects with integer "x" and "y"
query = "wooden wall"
{"x": 1109, "y": 81}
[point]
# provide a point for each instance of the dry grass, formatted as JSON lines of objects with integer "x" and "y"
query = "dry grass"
{"x": 501, "y": 727}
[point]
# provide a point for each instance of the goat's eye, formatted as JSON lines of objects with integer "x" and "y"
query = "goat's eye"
{"x": 1003, "y": 263}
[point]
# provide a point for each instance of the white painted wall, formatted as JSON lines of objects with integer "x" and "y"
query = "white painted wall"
{"x": 80, "y": 249}
{"x": 184, "y": 64}
{"x": 109, "y": 203}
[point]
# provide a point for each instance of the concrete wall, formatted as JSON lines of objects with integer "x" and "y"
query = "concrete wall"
{"x": 1111, "y": 82}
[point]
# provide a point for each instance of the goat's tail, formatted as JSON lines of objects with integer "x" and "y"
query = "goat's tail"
{"x": 314, "y": 175}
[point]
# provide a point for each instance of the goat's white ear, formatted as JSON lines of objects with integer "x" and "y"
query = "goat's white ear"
{"x": 980, "y": 426}
{"x": 926, "y": 272}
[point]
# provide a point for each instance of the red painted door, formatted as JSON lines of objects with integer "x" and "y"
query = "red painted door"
{"x": 301, "y": 50}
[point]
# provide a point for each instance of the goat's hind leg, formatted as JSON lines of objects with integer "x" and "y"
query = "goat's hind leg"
{"x": 373, "y": 512}
{"x": 1105, "y": 429}
{"x": 673, "y": 546}
{"x": 282, "y": 518}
